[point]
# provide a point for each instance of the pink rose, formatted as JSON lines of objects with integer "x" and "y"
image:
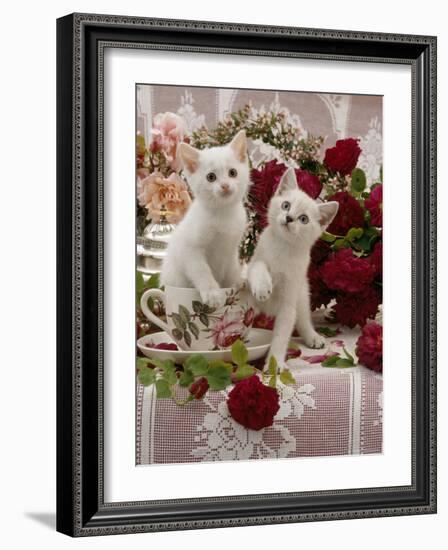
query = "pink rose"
{"x": 168, "y": 131}
{"x": 156, "y": 191}
{"x": 227, "y": 329}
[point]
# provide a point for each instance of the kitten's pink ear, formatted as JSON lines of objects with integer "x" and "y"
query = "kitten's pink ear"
{"x": 288, "y": 182}
{"x": 239, "y": 145}
{"x": 327, "y": 212}
{"x": 188, "y": 156}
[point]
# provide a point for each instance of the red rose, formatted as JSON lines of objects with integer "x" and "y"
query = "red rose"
{"x": 343, "y": 157}
{"x": 374, "y": 205}
{"x": 376, "y": 260}
{"x": 344, "y": 271}
{"x": 265, "y": 182}
{"x": 369, "y": 347}
{"x": 354, "y": 309}
{"x": 252, "y": 404}
{"x": 199, "y": 388}
{"x": 350, "y": 214}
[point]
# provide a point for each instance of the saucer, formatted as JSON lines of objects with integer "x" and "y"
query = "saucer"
{"x": 257, "y": 346}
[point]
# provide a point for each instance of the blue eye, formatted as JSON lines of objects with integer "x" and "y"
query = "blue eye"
{"x": 303, "y": 218}
{"x": 286, "y": 205}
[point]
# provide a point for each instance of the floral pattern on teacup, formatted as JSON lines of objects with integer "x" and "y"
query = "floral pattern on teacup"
{"x": 224, "y": 326}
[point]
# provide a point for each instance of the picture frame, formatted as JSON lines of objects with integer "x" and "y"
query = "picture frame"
{"x": 81, "y": 42}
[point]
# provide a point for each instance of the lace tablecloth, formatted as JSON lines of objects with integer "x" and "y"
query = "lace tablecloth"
{"x": 329, "y": 411}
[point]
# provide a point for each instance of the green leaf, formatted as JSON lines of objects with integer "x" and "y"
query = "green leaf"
{"x": 197, "y": 306}
{"x": 146, "y": 376}
{"x": 221, "y": 363}
{"x": 187, "y": 338}
{"x": 349, "y": 356}
{"x": 197, "y": 363}
{"x": 328, "y": 237}
{"x": 340, "y": 243}
{"x": 358, "y": 180}
{"x": 330, "y": 361}
{"x": 194, "y": 329}
{"x": 153, "y": 281}
{"x": 344, "y": 363}
{"x": 184, "y": 314}
{"x": 163, "y": 389}
{"x": 139, "y": 282}
{"x": 218, "y": 377}
{"x": 244, "y": 371}
{"x": 272, "y": 367}
{"x": 327, "y": 331}
{"x": 142, "y": 362}
{"x": 169, "y": 372}
{"x": 273, "y": 381}
{"x": 186, "y": 378}
{"x": 204, "y": 319}
{"x": 354, "y": 234}
{"x": 240, "y": 354}
{"x": 286, "y": 377}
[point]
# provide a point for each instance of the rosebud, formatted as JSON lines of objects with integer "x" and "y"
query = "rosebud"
{"x": 199, "y": 388}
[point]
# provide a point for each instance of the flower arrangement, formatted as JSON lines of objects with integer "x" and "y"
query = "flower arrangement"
{"x": 346, "y": 263}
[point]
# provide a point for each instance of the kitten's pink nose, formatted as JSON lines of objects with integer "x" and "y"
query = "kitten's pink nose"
{"x": 225, "y": 188}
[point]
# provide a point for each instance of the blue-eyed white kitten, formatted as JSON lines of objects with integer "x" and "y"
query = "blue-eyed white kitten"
{"x": 278, "y": 271}
{"x": 203, "y": 251}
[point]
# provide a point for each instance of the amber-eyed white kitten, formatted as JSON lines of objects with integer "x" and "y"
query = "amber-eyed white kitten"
{"x": 203, "y": 251}
{"x": 278, "y": 271}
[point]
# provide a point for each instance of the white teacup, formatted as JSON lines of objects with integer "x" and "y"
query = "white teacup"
{"x": 194, "y": 325}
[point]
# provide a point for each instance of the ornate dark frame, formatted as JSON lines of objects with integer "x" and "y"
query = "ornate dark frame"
{"x": 81, "y": 39}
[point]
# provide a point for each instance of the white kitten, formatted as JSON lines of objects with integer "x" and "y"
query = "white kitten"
{"x": 278, "y": 271}
{"x": 203, "y": 251}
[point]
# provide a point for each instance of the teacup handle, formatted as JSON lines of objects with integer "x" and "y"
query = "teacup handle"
{"x": 159, "y": 295}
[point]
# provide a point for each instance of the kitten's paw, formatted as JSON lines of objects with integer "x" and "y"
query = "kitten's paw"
{"x": 262, "y": 290}
{"x": 214, "y": 298}
{"x": 314, "y": 341}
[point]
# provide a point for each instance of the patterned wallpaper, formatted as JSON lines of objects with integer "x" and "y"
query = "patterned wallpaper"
{"x": 333, "y": 116}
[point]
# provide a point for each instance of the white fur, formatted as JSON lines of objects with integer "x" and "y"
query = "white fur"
{"x": 278, "y": 271}
{"x": 203, "y": 251}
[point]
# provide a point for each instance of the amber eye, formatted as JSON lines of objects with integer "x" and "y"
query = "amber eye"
{"x": 211, "y": 177}
{"x": 233, "y": 173}
{"x": 286, "y": 205}
{"x": 303, "y": 219}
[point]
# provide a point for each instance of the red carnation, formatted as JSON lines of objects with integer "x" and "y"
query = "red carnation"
{"x": 320, "y": 294}
{"x": 199, "y": 388}
{"x": 320, "y": 252}
{"x": 252, "y": 404}
{"x": 350, "y": 214}
{"x": 369, "y": 347}
{"x": 376, "y": 260}
{"x": 345, "y": 272}
{"x": 265, "y": 182}
{"x": 309, "y": 183}
{"x": 343, "y": 157}
{"x": 374, "y": 205}
{"x": 354, "y": 309}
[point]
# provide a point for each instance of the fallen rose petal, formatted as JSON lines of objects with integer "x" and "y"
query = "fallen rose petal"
{"x": 314, "y": 359}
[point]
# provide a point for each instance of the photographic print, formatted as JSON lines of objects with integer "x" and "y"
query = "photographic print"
{"x": 258, "y": 274}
